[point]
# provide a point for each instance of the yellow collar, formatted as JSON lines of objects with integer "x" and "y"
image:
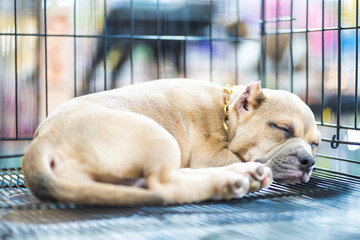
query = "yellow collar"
{"x": 227, "y": 89}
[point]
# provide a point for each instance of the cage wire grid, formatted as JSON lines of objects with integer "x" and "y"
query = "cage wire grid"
{"x": 22, "y": 215}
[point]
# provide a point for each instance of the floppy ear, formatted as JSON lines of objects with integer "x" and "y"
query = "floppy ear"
{"x": 249, "y": 100}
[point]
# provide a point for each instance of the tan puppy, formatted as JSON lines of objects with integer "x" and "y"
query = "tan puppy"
{"x": 172, "y": 133}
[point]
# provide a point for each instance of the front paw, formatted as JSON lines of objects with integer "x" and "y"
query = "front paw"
{"x": 231, "y": 185}
{"x": 258, "y": 175}
{"x": 262, "y": 178}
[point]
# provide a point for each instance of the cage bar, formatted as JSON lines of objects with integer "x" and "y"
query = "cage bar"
{"x": 322, "y": 61}
{"x": 335, "y": 139}
{"x": 277, "y": 46}
{"x": 236, "y": 43}
{"x": 75, "y": 80}
{"x": 46, "y": 63}
{"x": 263, "y": 44}
{"x": 16, "y": 74}
{"x": 291, "y": 47}
{"x": 143, "y": 37}
{"x": 356, "y": 64}
{"x": 211, "y": 42}
{"x": 132, "y": 41}
{"x": 307, "y": 54}
{"x": 105, "y": 44}
{"x": 158, "y": 42}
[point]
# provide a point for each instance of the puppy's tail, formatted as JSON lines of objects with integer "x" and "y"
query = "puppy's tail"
{"x": 47, "y": 186}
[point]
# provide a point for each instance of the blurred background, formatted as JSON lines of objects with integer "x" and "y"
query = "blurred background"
{"x": 54, "y": 50}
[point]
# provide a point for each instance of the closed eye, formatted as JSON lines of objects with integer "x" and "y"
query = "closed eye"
{"x": 314, "y": 145}
{"x": 288, "y": 131}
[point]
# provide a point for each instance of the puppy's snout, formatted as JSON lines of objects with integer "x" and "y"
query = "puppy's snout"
{"x": 307, "y": 162}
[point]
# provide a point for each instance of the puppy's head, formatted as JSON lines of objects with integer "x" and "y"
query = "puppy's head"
{"x": 276, "y": 128}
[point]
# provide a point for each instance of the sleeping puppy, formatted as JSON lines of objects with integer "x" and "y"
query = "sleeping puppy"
{"x": 187, "y": 140}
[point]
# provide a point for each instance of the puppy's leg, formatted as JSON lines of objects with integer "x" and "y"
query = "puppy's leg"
{"x": 176, "y": 186}
{"x": 254, "y": 175}
{"x": 193, "y": 185}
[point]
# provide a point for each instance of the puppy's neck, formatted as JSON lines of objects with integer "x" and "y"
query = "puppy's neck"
{"x": 228, "y": 91}
{"x": 233, "y": 117}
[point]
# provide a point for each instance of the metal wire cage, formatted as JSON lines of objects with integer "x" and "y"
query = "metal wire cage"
{"x": 53, "y": 50}
{"x": 107, "y": 44}
{"x": 329, "y": 79}
{"x": 325, "y": 76}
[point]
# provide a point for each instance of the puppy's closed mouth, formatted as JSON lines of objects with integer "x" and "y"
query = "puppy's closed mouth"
{"x": 297, "y": 177}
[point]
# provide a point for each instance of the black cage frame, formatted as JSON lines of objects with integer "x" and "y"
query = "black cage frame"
{"x": 336, "y": 138}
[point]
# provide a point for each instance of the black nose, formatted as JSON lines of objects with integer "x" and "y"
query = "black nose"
{"x": 307, "y": 161}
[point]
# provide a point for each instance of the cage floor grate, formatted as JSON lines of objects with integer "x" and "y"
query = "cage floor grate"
{"x": 326, "y": 207}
